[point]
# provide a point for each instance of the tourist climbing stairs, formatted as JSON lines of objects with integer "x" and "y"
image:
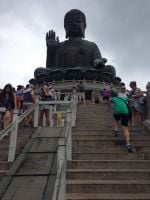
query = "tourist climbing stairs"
{"x": 101, "y": 168}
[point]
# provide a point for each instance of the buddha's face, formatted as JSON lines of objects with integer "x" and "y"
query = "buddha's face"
{"x": 75, "y": 26}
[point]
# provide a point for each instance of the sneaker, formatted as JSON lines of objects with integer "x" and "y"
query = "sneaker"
{"x": 129, "y": 148}
{"x": 116, "y": 132}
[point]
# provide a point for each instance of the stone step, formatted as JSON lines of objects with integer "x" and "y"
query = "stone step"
{"x": 108, "y": 186}
{"x": 108, "y": 132}
{"x": 108, "y": 164}
{"x": 98, "y": 149}
{"x": 93, "y": 120}
{"x": 108, "y": 196}
{"x": 110, "y": 137}
{"x": 109, "y": 142}
{"x": 96, "y": 125}
{"x": 90, "y": 126}
{"x": 3, "y": 155}
{"x": 106, "y": 128}
{"x": 107, "y": 149}
{"x": 108, "y": 174}
{"x": 138, "y": 128}
{"x": 102, "y": 127}
{"x": 4, "y": 147}
{"x": 95, "y": 112}
{"x": 110, "y": 156}
{"x": 96, "y": 119}
{"x": 5, "y": 165}
{"x": 2, "y": 173}
{"x": 97, "y": 116}
{"x": 97, "y": 109}
{"x": 90, "y": 114}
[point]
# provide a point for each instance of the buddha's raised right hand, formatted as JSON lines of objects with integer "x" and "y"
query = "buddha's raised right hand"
{"x": 51, "y": 40}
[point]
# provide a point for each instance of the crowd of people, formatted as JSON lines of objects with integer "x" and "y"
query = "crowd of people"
{"x": 127, "y": 105}
{"x": 14, "y": 100}
{"x": 18, "y": 100}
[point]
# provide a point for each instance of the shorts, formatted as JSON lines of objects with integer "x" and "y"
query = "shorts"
{"x": 105, "y": 98}
{"x": 123, "y": 117}
{"x": 81, "y": 95}
{"x": 26, "y": 106}
{"x": 44, "y": 107}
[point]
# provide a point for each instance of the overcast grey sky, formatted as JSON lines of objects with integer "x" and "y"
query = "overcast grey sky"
{"x": 120, "y": 28}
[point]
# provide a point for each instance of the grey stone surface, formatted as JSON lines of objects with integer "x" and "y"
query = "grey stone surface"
{"x": 26, "y": 188}
{"x": 44, "y": 145}
{"x": 36, "y": 164}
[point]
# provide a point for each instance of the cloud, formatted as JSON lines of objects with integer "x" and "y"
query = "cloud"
{"x": 120, "y": 29}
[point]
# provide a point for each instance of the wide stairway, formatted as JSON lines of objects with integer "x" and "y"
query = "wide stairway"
{"x": 101, "y": 167}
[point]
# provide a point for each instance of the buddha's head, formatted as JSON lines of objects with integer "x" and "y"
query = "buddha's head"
{"x": 75, "y": 23}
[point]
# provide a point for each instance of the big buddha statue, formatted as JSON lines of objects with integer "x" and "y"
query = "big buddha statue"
{"x": 75, "y": 58}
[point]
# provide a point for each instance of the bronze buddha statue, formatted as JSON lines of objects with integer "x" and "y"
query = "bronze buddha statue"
{"x": 74, "y": 58}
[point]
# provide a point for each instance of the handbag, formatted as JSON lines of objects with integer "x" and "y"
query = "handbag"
{"x": 129, "y": 109}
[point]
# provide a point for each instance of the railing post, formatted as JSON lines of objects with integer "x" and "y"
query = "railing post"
{"x": 61, "y": 160}
{"x": 13, "y": 140}
{"x": 62, "y": 190}
{"x": 72, "y": 114}
{"x": 59, "y": 119}
{"x": 54, "y": 108}
{"x": 69, "y": 139}
{"x": 36, "y": 111}
{"x": 51, "y": 116}
{"x": 93, "y": 97}
{"x": 61, "y": 151}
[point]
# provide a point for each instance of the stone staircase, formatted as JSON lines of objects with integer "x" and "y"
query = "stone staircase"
{"x": 101, "y": 167}
{"x": 23, "y": 136}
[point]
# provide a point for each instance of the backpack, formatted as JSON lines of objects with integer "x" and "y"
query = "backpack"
{"x": 128, "y": 107}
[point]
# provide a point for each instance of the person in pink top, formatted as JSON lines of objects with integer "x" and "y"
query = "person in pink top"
{"x": 106, "y": 95}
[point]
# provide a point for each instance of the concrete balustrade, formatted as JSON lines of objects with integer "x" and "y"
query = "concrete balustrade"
{"x": 64, "y": 153}
{"x": 12, "y": 129}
